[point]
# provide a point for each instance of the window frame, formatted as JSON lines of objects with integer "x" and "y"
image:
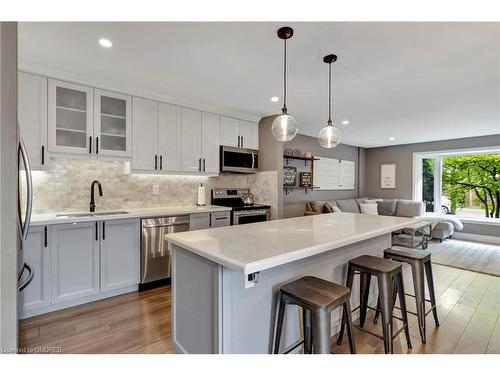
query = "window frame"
{"x": 438, "y": 166}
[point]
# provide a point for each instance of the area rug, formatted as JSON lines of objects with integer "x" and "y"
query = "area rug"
{"x": 467, "y": 255}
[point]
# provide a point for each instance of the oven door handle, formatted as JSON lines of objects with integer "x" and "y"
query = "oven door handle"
{"x": 250, "y": 213}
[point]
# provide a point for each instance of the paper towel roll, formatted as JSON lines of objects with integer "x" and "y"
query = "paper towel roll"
{"x": 201, "y": 196}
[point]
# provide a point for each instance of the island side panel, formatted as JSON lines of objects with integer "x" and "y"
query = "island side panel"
{"x": 196, "y": 303}
{"x": 248, "y": 314}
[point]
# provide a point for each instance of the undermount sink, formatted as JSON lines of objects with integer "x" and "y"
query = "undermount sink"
{"x": 89, "y": 214}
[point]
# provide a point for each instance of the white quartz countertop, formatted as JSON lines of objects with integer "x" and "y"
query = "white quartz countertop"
{"x": 258, "y": 246}
{"x": 56, "y": 218}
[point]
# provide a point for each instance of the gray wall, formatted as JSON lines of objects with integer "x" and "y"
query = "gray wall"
{"x": 294, "y": 202}
{"x": 402, "y": 156}
{"x": 271, "y": 157}
{"x": 8, "y": 186}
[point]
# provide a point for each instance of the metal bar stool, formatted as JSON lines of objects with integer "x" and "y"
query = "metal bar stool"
{"x": 318, "y": 298}
{"x": 390, "y": 283}
{"x": 420, "y": 262}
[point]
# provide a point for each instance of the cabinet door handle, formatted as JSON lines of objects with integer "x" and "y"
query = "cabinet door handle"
{"x": 90, "y": 144}
{"x": 241, "y": 141}
{"x": 238, "y": 141}
{"x": 156, "y": 162}
{"x": 161, "y": 162}
{"x": 199, "y": 164}
{"x": 96, "y": 232}
{"x": 103, "y": 230}
{"x": 204, "y": 165}
{"x": 45, "y": 240}
{"x": 97, "y": 145}
{"x": 43, "y": 155}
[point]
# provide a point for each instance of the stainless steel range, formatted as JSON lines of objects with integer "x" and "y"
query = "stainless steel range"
{"x": 241, "y": 213}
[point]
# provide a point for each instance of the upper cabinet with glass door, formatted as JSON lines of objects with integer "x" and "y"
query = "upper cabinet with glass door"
{"x": 70, "y": 109}
{"x": 112, "y": 124}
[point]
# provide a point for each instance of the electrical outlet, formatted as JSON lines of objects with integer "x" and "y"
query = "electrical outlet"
{"x": 156, "y": 190}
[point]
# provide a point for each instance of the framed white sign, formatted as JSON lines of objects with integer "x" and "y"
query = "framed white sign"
{"x": 388, "y": 176}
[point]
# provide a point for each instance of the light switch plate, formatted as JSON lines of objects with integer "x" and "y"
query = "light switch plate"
{"x": 156, "y": 190}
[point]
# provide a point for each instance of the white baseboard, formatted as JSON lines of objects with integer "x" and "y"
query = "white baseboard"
{"x": 476, "y": 238}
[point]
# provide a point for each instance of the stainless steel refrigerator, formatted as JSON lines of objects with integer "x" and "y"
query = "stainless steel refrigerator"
{"x": 25, "y": 271}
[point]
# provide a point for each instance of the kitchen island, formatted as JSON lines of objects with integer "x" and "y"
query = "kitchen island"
{"x": 224, "y": 280}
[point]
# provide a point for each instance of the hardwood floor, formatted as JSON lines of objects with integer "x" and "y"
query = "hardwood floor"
{"x": 468, "y": 308}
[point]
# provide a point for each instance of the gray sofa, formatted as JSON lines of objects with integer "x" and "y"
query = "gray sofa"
{"x": 389, "y": 207}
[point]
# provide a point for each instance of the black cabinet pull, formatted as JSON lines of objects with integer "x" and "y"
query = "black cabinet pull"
{"x": 90, "y": 144}
{"x": 204, "y": 165}
{"x": 103, "y": 230}
{"x": 241, "y": 141}
{"x": 43, "y": 155}
{"x": 199, "y": 164}
{"x": 238, "y": 141}
{"x": 156, "y": 162}
{"x": 97, "y": 145}
{"x": 45, "y": 240}
{"x": 96, "y": 232}
{"x": 161, "y": 162}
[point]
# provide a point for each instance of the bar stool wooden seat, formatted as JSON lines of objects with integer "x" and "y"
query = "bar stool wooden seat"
{"x": 420, "y": 262}
{"x": 390, "y": 283}
{"x": 318, "y": 298}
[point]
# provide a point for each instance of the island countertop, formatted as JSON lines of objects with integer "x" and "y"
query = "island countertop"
{"x": 256, "y": 247}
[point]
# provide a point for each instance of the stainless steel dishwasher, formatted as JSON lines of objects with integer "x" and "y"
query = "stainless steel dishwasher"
{"x": 155, "y": 251}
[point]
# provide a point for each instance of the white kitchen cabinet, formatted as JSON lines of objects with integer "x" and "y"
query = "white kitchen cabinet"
{"x": 32, "y": 117}
{"x": 220, "y": 219}
{"x": 191, "y": 159}
{"x": 145, "y": 134}
{"x": 347, "y": 174}
{"x": 120, "y": 258}
{"x": 239, "y": 133}
{"x": 210, "y": 135}
{"x": 169, "y": 137}
{"x": 70, "y": 118}
{"x": 36, "y": 253}
{"x": 249, "y": 133}
{"x": 74, "y": 260}
{"x": 112, "y": 124}
{"x": 229, "y": 131}
{"x": 199, "y": 221}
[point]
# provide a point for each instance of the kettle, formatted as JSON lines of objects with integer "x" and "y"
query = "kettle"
{"x": 247, "y": 199}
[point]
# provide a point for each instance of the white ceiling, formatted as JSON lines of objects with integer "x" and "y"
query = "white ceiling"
{"x": 412, "y": 81}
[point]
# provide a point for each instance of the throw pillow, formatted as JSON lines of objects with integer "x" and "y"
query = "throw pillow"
{"x": 369, "y": 208}
{"x": 372, "y": 200}
{"x": 348, "y": 205}
{"x": 335, "y": 209}
{"x": 408, "y": 208}
{"x": 386, "y": 208}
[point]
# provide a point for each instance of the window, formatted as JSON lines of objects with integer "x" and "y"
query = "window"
{"x": 465, "y": 183}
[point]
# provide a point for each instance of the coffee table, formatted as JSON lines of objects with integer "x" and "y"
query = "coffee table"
{"x": 414, "y": 235}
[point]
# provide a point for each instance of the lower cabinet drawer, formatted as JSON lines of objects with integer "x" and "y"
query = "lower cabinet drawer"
{"x": 220, "y": 219}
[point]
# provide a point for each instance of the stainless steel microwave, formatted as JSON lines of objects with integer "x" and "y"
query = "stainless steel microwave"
{"x": 240, "y": 160}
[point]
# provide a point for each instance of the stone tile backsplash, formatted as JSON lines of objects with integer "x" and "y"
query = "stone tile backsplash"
{"x": 65, "y": 186}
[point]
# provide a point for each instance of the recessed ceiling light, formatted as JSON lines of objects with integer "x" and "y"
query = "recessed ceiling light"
{"x": 274, "y": 98}
{"x": 345, "y": 122}
{"x": 392, "y": 138}
{"x": 106, "y": 43}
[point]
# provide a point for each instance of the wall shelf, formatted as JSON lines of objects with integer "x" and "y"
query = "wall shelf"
{"x": 307, "y": 162}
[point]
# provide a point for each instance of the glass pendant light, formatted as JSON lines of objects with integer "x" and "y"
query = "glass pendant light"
{"x": 329, "y": 136}
{"x": 284, "y": 126}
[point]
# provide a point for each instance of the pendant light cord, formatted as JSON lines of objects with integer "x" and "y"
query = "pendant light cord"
{"x": 284, "y": 109}
{"x": 329, "y": 93}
